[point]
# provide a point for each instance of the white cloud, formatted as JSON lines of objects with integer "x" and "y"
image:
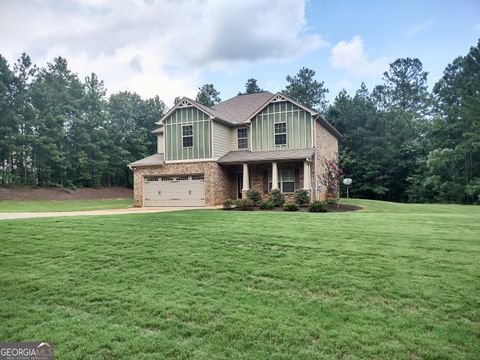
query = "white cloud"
{"x": 351, "y": 57}
{"x": 415, "y": 29}
{"x": 156, "y": 47}
{"x": 345, "y": 84}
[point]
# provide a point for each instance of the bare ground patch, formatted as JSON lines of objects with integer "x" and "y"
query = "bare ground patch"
{"x": 51, "y": 193}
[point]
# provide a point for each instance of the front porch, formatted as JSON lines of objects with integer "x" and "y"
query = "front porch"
{"x": 264, "y": 171}
{"x": 287, "y": 176}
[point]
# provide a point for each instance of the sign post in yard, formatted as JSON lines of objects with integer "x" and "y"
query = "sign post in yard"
{"x": 347, "y": 182}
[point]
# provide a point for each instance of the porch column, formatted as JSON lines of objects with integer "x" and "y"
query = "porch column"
{"x": 306, "y": 175}
{"x": 274, "y": 176}
{"x": 246, "y": 179}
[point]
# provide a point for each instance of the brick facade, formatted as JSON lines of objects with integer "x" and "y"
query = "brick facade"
{"x": 326, "y": 148}
{"x": 218, "y": 180}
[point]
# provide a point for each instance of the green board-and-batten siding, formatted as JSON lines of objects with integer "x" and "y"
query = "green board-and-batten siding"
{"x": 299, "y": 127}
{"x": 202, "y": 128}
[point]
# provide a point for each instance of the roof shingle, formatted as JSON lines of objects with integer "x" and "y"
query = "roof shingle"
{"x": 152, "y": 160}
{"x": 235, "y": 157}
{"x": 239, "y": 108}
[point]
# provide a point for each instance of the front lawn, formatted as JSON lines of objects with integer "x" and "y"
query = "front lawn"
{"x": 63, "y": 205}
{"x": 388, "y": 282}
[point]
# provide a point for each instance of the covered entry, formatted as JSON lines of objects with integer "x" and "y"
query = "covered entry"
{"x": 181, "y": 190}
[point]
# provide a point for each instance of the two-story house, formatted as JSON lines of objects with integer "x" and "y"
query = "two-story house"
{"x": 259, "y": 141}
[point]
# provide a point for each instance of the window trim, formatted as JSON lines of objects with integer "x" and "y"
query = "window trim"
{"x": 242, "y": 138}
{"x": 275, "y": 133}
{"x": 187, "y": 136}
{"x": 281, "y": 181}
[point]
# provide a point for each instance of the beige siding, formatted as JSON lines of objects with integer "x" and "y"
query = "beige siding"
{"x": 160, "y": 143}
{"x": 221, "y": 139}
{"x": 234, "y": 143}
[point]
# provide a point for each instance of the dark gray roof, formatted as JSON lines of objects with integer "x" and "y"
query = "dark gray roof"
{"x": 208, "y": 110}
{"x": 235, "y": 157}
{"x": 152, "y": 160}
{"x": 211, "y": 111}
{"x": 239, "y": 108}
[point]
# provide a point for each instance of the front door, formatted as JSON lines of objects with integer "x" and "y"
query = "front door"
{"x": 239, "y": 185}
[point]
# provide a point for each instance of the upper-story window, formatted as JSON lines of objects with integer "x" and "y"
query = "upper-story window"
{"x": 187, "y": 135}
{"x": 242, "y": 138}
{"x": 281, "y": 133}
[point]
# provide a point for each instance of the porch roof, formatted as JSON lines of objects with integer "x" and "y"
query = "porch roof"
{"x": 152, "y": 160}
{"x": 242, "y": 156}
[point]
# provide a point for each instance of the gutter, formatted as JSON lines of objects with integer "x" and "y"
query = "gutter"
{"x": 328, "y": 126}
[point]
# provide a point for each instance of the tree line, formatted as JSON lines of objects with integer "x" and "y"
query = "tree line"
{"x": 401, "y": 142}
{"x": 56, "y": 130}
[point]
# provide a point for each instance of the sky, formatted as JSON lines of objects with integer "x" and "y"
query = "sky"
{"x": 170, "y": 48}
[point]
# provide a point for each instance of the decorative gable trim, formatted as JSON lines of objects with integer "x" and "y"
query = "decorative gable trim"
{"x": 279, "y": 97}
{"x": 183, "y": 103}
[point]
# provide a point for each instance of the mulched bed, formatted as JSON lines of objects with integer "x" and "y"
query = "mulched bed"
{"x": 18, "y": 193}
{"x": 343, "y": 208}
{"x": 331, "y": 208}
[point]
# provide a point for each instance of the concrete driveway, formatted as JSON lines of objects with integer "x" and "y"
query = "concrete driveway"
{"x": 28, "y": 215}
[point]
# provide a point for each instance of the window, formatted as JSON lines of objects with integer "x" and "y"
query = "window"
{"x": 281, "y": 133}
{"x": 286, "y": 181}
{"x": 151, "y": 178}
{"x": 197, "y": 177}
{"x": 242, "y": 138}
{"x": 182, "y": 178}
{"x": 187, "y": 135}
{"x": 166, "y": 178}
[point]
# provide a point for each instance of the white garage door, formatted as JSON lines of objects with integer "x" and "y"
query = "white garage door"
{"x": 184, "y": 190}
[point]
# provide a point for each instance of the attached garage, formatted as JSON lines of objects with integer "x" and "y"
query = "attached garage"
{"x": 181, "y": 190}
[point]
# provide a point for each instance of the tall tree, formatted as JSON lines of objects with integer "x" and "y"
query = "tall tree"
{"x": 456, "y": 131}
{"x": 8, "y": 121}
{"x": 130, "y": 122}
{"x": 87, "y": 137}
{"x": 57, "y": 96}
{"x": 306, "y": 90}
{"x": 25, "y": 72}
{"x": 405, "y": 87}
{"x": 251, "y": 86}
{"x": 208, "y": 95}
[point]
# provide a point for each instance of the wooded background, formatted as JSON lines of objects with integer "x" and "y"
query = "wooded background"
{"x": 401, "y": 141}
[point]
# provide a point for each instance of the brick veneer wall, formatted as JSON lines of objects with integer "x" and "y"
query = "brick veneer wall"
{"x": 326, "y": 147}
{"x": 257, "y": 171}
{"x": 219, "y": 182}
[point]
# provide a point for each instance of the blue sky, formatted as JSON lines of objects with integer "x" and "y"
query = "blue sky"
{"x": 171, "y": 48}
{"x": 434, "y": 31}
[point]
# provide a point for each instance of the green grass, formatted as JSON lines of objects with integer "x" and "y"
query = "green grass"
{"x": 63, "y": 205}
{"x": 389, "y": 282}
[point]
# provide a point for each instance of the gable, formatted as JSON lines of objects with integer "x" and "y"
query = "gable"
{"x": 298, "y": 124}
{"x": 201, "y": 128}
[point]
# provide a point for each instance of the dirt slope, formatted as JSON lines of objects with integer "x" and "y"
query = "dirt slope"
{"x": 25, "y": 194}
